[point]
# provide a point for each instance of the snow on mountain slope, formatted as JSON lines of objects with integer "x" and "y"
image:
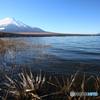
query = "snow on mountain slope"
{"x": 2, "y": 28}
{"x": 13, "y": 25}
{"x": 9, "y": 20}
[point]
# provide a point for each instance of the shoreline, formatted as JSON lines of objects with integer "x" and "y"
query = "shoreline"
{"x": 42, "y": 34}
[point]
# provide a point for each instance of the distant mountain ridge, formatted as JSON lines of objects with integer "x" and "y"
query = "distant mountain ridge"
{"x": 13, "y": 25}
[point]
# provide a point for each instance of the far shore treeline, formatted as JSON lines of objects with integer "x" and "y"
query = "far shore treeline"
{"x": 44, "y": 34}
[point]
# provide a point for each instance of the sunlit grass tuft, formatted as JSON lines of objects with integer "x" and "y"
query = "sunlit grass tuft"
{"x": 28, "y": 85}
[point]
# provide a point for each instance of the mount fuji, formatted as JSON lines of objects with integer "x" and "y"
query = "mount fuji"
{"x": 13, "y": 25}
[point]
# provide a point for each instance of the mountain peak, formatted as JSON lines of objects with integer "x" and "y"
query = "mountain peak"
{"x": 11, "y": 24}
{"x": 10, "y": 20}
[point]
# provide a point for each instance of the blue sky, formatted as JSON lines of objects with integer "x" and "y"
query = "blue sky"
{"x": 62, "y": 16}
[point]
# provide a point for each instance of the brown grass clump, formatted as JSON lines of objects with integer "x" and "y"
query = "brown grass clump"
{"x": 10, "y": 43}
{"x": 47, "y": 45}
{"x": 70, "y": 85}
{"x": 26, "y": 88}
{"x": 12, "y": 46}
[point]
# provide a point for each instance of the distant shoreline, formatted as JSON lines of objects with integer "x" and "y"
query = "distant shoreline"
{"x": 40, "y": 34}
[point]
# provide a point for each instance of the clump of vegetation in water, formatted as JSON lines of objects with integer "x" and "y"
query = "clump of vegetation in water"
{"x": 14, "y": 46}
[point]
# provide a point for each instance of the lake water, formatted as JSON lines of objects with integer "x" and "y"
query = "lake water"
{"x": 58, "y": 55}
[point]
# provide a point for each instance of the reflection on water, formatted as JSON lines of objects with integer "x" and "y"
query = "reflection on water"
{"x": 55, "y": 55}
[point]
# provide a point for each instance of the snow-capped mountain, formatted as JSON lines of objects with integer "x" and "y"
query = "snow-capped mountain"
{"x": 9, "y": 20}
{"x": 13, "y": 25}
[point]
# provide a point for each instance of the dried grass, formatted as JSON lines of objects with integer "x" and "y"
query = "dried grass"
{"x": 27, "y": 86}
{"x": 12, "y": 46}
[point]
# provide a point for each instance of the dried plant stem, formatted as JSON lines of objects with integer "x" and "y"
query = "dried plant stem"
{"x": 52, "y": 84}
{"x": 10, "y": 84}
{"x": 50, "y": 94}
{"x": 11, "y": 80}
{"x": 95, "y": 80}
{"x": 73, "y": 79}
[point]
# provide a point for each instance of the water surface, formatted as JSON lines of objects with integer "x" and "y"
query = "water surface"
{"x": 58, "y": 55}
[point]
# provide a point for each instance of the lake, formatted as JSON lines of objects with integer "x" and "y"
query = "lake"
{"x": 56, "y": 55}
